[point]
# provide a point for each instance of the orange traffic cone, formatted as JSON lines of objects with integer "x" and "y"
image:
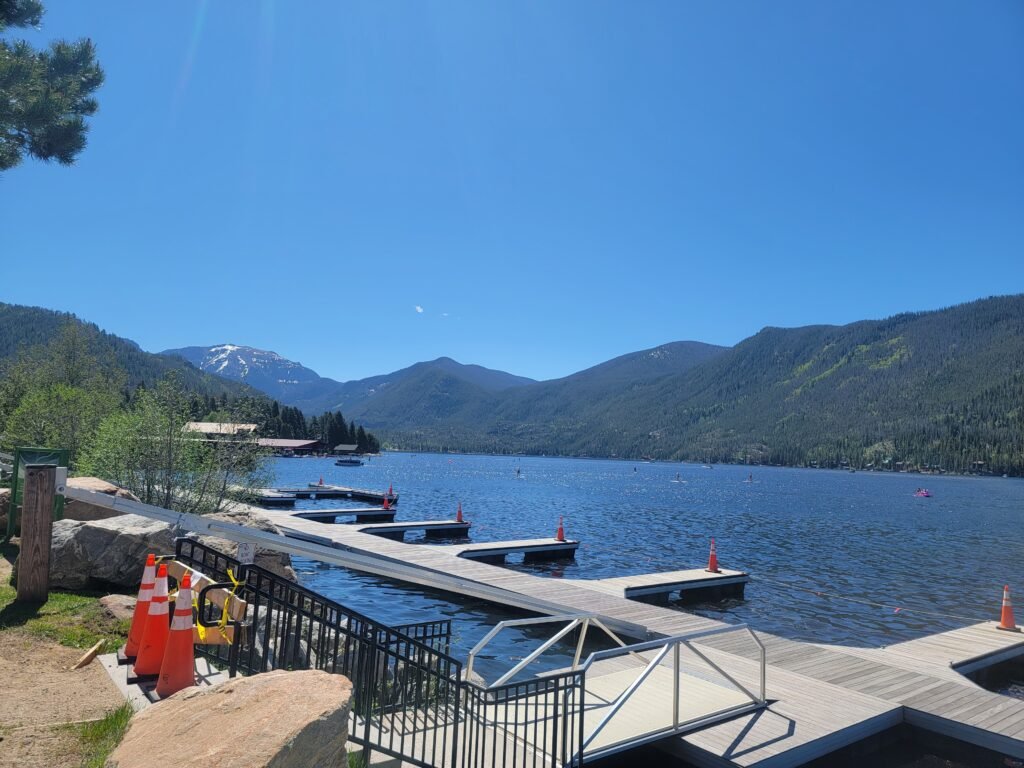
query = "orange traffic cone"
{"x": 131, "y": 648}
{"x": 713, "y": 560}
{"x": 177, "y": 670}
{"x": 1006, "y": 618}
{"x": 560, "y": 533}
{"x": 458, "y": 514}
{"x": 391, "y": 491}
{"x": 385, "y": 504}
{"x": 154, "y": 637}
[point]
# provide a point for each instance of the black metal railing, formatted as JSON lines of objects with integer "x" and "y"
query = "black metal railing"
{"x": 530, "y": 724}
{"x": 405, "y": 697}
{"x": 408, "y": 696}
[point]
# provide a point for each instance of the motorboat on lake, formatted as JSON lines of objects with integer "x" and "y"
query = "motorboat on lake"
{"x": 348, "y": 461}
{"x": 923, "y": 493}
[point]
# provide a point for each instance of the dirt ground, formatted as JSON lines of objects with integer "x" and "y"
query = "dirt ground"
{"x": 39, "y": 695}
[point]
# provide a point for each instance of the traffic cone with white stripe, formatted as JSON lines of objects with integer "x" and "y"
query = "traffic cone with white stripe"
{"x": 177, "y": 670}
{"x": 713, "y": 560}
{"x": 1006, "y": 621}
{"x": 385, "y": 505}
{"x": 560, "y": 533}
{"x": 154, "y": 637}
{"x": 131, "y": 648}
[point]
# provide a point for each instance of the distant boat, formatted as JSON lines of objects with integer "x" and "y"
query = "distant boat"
{"x": 923, "y": 493}
{"x": 348, "y": 461}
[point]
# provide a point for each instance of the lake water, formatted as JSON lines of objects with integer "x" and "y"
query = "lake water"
{"x": 832, "y": 554}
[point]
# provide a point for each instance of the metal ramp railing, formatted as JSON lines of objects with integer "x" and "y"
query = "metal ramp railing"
{"x": 627, "y": 695}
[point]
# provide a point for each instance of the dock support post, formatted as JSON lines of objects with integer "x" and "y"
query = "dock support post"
{"x": 36, "y": 532}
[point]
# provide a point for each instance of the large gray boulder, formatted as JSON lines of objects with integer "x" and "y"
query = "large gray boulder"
{"x": 103, "y": 553}
{"x": 273, "y": 720}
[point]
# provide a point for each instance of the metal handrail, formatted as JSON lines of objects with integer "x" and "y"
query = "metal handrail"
{"x": 673, "y": 644}
{"x": 583, "y": 620}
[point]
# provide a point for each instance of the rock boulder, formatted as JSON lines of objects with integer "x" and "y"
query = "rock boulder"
{"x": 83, "y": 510}
{"x": 119, "y": 606}
{"x": 103, "y": 553}
{"x": 272, "y": 720}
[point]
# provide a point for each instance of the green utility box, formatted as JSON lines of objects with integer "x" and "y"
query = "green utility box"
{"x": 57, "y": 457}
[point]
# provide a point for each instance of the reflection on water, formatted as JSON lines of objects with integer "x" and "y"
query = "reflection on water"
{"x": 835, "y": 557}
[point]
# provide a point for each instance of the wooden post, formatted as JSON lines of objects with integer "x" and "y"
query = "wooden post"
{"x": 36, "y": 532}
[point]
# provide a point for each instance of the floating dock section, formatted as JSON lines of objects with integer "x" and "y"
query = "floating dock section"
{"x": 318, "y": 491}
{"x": 360, "y": 514}
{"x": 432, "y": 529}
{"x": 531, "y": 549}
{"x": 693, "y": 586}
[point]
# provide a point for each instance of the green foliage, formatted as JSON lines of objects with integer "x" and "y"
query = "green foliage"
{"x": 46, "y": 95}
{"x": 69, "y": 618}
{"x": 146, "y": 449}
{"x": 101, "y": 737}
{"x": 57, "y": 393}
{"x": 22, "y": 328}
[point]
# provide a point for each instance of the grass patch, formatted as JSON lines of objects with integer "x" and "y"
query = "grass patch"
{"x": 101, "y": 737}
{"x": 73, "y": 619}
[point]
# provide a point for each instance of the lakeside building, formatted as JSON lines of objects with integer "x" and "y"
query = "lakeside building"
{"x": 286, "y": 447}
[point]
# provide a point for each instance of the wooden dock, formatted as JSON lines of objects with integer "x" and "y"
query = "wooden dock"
{"x": 326, "y": 491}
{"x": 694, "y": 584}
{"x": 822, "y": 697}
{"x": 361, "y": 514}
{"x": 269, "y": 498}
{"x": 531, "y": 550}
{"x": 432, "y": 529}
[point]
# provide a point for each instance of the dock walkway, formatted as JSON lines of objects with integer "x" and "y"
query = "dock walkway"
{"x": 823, "y": 697}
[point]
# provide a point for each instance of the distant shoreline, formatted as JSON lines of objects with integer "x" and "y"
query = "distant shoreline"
{"x": 699, "y": 464}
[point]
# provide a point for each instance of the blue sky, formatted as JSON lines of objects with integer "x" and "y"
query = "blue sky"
{"x": 553, "y": 184}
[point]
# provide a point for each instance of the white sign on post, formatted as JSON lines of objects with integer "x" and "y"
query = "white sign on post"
{"x": 246, "y": 552}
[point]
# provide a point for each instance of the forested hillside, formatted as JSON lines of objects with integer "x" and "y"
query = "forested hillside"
{"x": 936, "y": 390}
{"x": 62, "y": 380}
{"x": 26, "y": 327}
{"x": 940, "y": 390}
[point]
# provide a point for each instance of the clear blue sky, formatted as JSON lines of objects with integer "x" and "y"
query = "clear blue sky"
{"x": 553, "y": 183}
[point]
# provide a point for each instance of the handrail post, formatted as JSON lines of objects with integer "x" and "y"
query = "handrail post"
{"x": 764, "y": 666}
{"x": 675, "y": 686}
{"x": 579, "y": 645}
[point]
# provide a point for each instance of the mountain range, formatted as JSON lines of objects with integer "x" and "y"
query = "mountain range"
{"x": 940, "y": 389}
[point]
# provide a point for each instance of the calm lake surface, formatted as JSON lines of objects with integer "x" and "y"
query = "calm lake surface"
{"x": 832, "y": 554}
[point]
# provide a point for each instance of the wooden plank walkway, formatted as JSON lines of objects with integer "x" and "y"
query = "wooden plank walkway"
{"x": 824, "y": 697}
